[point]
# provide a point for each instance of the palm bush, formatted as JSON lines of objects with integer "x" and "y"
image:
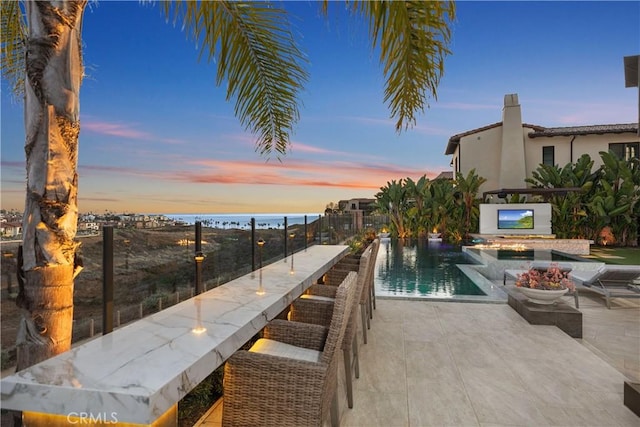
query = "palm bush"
{"x": 609, "y": 198}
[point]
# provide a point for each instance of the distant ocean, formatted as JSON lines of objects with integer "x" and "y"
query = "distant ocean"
{"x": 243, "y": 221}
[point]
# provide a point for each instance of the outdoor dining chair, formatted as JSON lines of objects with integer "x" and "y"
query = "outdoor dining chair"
{"x": 289, "y": 376}
{"x": 316, "y": 307}
{"x": 337, "y": 274}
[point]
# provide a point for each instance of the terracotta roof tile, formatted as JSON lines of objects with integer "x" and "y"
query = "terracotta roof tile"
{"x": 539, "y": 131}
{"x": 455, "y": 139}
{"x": 585, "y": 130}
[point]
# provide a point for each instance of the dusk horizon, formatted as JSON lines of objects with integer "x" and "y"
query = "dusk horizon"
{"x": 158, "y": 137}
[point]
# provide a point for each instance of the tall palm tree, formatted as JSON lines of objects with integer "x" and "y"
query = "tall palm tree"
{"x": 255, "y": 54}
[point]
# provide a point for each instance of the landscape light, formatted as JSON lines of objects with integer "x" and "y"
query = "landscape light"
{"x": 199, "y": 257}
{"x": 199, "y": 329}
{"x": 291, "y": 236}
{"x": 260, "y": 243}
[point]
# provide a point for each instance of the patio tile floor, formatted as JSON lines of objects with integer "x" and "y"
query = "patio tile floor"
{"x": 470, "y": 364}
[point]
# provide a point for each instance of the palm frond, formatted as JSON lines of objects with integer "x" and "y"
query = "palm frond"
{"x": 413, "y": 37}
{"x": 14, "y": 35}
{"x": 256, "y": 54}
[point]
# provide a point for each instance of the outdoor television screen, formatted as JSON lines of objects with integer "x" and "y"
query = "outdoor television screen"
{"x": 515, "y": 219}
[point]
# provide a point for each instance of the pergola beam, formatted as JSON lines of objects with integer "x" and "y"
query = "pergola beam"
{"x": 502, "y": 192}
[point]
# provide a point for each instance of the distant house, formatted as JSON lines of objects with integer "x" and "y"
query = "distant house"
{"x": 507, "y": 152}
{"x": 10, "y": 229}
{"x": 366, "y": 206}
{"x": 88, "y": 226}
{"x": 358, "y": 208}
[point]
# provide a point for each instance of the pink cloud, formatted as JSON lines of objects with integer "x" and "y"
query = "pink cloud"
{"x": 299, "y": 173}
{"x": 292, "y": 172}
{"x": 125, "y": 131}
{"x": 115, "y": 129}
{"x": 305, "y": 148}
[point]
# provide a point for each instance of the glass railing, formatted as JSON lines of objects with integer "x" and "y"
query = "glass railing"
{"x": 154, "y": 268}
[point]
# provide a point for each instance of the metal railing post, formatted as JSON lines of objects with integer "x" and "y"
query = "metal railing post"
{"x": 253, "y": 244}
{"x": 286, "y": 235}
{"x": 107, "y": 279}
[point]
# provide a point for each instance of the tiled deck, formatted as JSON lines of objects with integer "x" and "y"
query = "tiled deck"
{"x": 469, "y": 364}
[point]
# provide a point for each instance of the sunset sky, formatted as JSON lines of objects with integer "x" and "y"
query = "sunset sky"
{"x": 157, "y": 135}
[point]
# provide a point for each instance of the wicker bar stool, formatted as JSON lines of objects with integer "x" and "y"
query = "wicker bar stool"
{"x": 337, "y": 274}
{"x": 316, "y": 307}
{"x": 289, "y": 377}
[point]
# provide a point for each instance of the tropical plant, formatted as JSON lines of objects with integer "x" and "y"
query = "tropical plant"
{"x": 359, "y": 242}
{"x": 616, "y": 199}
{"x": 392, "y": 200}
{"x": 605, "y": 199}
{"x": 417, "y": 208}
{"x": 442, "y": 206}
{"x": 466, "y": 195}
{"x": 516, "y": 199}
{"x": 417, "y": 194}
{"x": 569, "y": 212}
{"x": 256, "y": 55}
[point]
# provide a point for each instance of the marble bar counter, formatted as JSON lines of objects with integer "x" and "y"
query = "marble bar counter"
{"x": 139, "y": 372}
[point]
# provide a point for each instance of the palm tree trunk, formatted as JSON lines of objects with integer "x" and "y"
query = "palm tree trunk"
{"x": 52, "y": 87}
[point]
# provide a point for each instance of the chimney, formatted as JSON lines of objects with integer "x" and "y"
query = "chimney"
{"x": 512, "y": 163}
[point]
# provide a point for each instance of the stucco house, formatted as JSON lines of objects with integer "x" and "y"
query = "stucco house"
{"x": 507, "y": 152}
{"x": 366, "y": 206}
{"x": 10, "y": 229}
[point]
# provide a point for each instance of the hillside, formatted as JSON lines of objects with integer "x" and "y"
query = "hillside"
{"x": 148, "y": 264}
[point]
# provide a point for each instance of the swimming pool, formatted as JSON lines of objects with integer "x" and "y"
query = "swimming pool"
{"x": 431, "y": 270}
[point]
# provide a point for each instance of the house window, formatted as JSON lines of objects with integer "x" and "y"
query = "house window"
{"x": 353, "y": 206}
{"x": 626, "y": 150}
{"x": 548, "y": 155}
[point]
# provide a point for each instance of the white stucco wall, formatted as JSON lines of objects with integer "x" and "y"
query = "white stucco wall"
{"x": 582, "y": 144}
{"x": 482, "y": 152}
{"x": 541, "y": 218}
{"x": 512, "y": 170}
{"x": 497, "y": 152}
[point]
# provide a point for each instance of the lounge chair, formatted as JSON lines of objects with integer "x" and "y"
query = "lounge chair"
{"x": 615, "y": 283}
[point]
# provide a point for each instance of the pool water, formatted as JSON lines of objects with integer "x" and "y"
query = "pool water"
{"x": 422, "y": 268}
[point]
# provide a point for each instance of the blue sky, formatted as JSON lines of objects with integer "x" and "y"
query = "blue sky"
{"x": 157, "y": 135}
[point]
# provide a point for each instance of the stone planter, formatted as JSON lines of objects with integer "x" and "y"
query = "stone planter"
{"x": 542, "y": 296}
